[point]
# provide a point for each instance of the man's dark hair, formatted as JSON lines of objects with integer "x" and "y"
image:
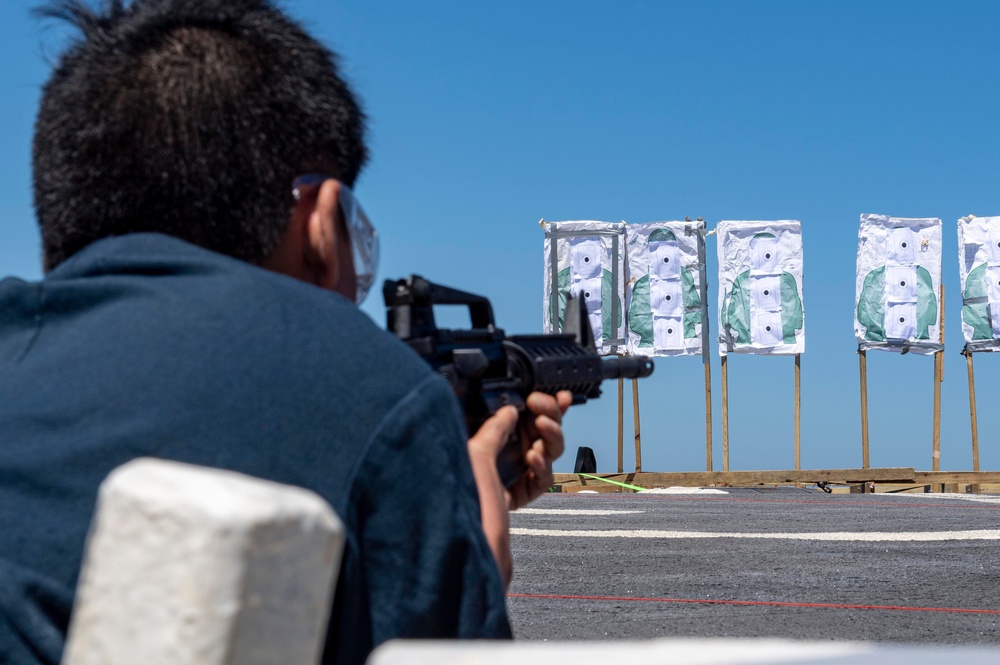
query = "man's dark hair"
{"x": 190, "y": 118}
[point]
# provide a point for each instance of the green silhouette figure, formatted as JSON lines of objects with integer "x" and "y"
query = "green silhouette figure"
{"x": 640, "y": 314}
{"x": 976, "y": 305}
{"x": 564, "y": 280}
{"x": 871, "y": 305}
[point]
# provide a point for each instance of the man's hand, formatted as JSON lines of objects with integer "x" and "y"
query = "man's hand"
{"x": 543, "y": 444}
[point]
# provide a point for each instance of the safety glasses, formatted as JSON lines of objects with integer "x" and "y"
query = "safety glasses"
{"x": 364, "y": 237}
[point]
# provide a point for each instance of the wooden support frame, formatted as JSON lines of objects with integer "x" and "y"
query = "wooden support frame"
{"x": 621, "y": 425}
{"x": 973, "y": 419}
{"x": 725, "y": 413}
{"x": 635, "y": 419}
{"x": 706, "y": 356}
{"x": 863, "y": 365}
{"x": 753, "y": 478}
{"x": 797, "y": 452}
{"x": 708, "y": 415}
{"x": 938, "y": 378}
{"x": 635, "y": 422}
{"x": 798, "y": 412}
{"x": 871, "y": 478}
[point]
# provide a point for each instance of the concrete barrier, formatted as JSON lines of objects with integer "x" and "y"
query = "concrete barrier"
{"x": 686, "y": 651}
{"x": 187, "y": 565}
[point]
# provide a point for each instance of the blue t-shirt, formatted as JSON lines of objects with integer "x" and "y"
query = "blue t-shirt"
{"x": 144, "y": 345}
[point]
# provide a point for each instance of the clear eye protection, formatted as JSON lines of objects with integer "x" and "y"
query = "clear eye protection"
{"x": 364, "y": 237}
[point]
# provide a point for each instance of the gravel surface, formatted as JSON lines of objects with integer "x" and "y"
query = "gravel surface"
{"x": 856, "y": 586}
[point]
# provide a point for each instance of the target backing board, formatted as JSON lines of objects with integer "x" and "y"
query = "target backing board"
{"x": 664, "y": 299}
{"x": 587, "y": 259}
{"x": 897, "y": 284}
{"x": 760, "y": 288}
{"x": 979, "y": 268}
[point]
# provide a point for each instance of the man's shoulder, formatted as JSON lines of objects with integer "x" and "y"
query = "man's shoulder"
{"x": 182, "y": 294}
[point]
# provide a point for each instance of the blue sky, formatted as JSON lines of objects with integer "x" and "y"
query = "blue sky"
{"x": 486, "y": 117}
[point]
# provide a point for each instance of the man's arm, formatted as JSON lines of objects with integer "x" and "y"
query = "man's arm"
{"x": 546, "y": 445}
{"x": 418, "y": 563}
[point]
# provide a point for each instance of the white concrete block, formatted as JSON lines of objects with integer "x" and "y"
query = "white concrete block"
{"x": 633, "y": 652}
{"x": 673, "y": 650}
{"x": 193, "y": 566}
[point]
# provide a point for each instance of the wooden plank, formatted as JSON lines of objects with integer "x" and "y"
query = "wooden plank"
{"x": 863, "y": 360}
{"x": 931, "y": 477}
{"x": 725, "y": 415}
{"x": 635, "y": 419}
{"x": 621, "y": 424}
{"x": 706, "y": 356}
{"x": 936, "y": 432}
{"x": 704, "y": 478}
{"x": 708, "y": 416}
{"x": 972, "y": 411}
{"x": 938, "y": 378}
{"x": 798, "y": 410}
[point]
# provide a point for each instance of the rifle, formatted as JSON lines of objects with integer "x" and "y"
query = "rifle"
{"x": 489, "y": 370}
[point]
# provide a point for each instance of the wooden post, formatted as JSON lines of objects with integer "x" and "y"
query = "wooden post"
{"x": 635, "y": 418}
{"x": 972, "y": 410}
{"x": 798, "y": 403}
{"x": 621, "y": 425}
{"x": 725, "y": 414}
{"x": 863, "y": 360}
{"x": 708, "y": 416}
{"x": 938, "y": 378}
{"x": 706, "y": 357}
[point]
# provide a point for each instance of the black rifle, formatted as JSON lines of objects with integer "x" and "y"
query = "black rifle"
{"x": 489, "y": 370}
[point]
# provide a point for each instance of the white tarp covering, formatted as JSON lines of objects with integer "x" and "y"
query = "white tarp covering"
{"x": 760, "y": 288}
{"x": 664, "y": 298}
{"x": 979, "y": 267}
{"x": 897, "y": 284}
{"x": 587, "y": 259}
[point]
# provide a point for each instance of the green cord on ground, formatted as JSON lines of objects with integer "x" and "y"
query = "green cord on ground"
{"x": 613, "y": 482}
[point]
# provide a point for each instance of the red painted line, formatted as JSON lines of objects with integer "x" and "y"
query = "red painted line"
{"x": 755, "y": 603}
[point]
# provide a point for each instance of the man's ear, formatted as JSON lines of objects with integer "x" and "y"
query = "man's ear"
{"x": 323, "y": 239}
{"x": 314, "y": 247}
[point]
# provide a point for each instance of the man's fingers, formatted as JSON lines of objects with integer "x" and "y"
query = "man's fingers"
{"x": 540, "y": 464}
{"x": 493, "y": 433}
{"x": 551, "y": 434}
{"x": 544, "y": 431}
{"x": 542, "y": 404}
{"x": 537, "y": 459}
{"x": 565, "y": 399}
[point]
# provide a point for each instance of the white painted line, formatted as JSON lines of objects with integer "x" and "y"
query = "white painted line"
{"x": 842, "y": 536}
{"x": 569, "y": 511}
{"x": 977, "y": 498}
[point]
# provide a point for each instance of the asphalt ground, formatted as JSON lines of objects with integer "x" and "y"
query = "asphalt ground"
{"x": 784, "y": 563}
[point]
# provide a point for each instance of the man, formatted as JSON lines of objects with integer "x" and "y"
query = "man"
{"x": 192, "y": 165}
